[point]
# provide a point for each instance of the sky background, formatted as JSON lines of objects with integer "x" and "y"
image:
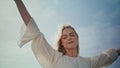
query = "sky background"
{"x": 96, "y": 21}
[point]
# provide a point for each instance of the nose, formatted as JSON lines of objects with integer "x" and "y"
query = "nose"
{"x": 69, "y": 38}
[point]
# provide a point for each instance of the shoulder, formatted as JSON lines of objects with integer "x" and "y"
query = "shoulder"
{"x": 85, "y": 59}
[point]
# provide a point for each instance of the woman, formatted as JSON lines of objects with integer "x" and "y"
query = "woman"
{"x": 68, "y": 47}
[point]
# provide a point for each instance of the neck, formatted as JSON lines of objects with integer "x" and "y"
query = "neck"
{"x": 71, "y": 52}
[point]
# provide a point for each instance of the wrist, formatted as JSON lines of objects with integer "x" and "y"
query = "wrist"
{"x": 118, "y": 51}
{"x": 17, "y": 0}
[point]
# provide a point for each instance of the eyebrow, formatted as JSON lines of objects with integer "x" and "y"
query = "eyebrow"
{"x": 69, "y": 33}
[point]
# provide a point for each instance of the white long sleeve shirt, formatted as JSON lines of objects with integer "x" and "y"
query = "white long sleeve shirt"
{"x": 50, "y": 58}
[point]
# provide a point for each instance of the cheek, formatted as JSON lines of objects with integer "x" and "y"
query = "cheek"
{"x": 63, "y": 42}
{"x": 76, "y": 41}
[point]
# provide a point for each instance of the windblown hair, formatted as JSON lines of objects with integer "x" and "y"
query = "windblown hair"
{"x": 60, "y": 47}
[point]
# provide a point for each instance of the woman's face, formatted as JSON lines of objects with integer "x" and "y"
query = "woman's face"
{"x": 69, "y": 38}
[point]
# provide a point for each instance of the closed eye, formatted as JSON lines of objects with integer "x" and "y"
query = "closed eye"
{"x": 72, "y": 34}
{"x": 64, "y": 37}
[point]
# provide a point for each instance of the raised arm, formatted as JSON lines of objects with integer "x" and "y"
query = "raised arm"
{"x": 105, "y": 58}
{"x": 23, "y": 11}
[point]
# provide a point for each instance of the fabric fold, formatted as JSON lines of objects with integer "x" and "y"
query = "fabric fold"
{"x": 28, "y": 33}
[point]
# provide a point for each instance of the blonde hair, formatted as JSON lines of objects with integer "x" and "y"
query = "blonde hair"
{"x": 60, "y": 47}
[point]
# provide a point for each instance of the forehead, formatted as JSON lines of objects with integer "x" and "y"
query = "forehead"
{"x": 67, "y": 31}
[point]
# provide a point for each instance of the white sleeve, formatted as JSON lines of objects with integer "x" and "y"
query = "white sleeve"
{"x": 28, "y": 32}
{"x": 44, "y": 53}
{"x": 104, "y": 59}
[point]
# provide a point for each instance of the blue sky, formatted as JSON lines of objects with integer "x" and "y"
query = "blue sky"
{"x": 96, "y": 21}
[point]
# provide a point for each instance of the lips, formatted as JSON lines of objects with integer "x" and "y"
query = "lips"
{"x": 70, "y": 42}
